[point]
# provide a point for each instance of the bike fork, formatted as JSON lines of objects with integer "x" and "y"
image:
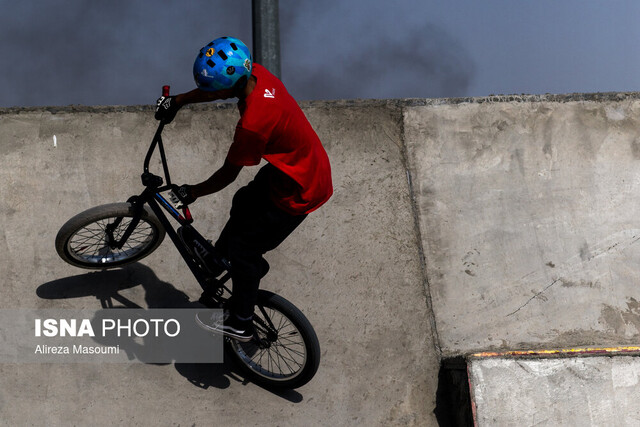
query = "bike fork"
{"x": 110, "y": 228}
{"x": 209, "y": 285}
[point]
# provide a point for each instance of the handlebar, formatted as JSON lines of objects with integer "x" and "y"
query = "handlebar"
{"x": 155, "y": 182}
{"x": 149, "y": 179}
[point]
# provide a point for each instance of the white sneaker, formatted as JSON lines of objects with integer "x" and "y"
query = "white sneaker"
{"x": 226, "y": 323}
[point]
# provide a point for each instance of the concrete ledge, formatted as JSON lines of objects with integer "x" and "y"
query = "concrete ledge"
{"x": 601, "y": 389}
{"x": 400, "y": 102}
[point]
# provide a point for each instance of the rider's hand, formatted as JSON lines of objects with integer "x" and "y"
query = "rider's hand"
{"x": 182, "y": 195}
{"x": 166, "y": 108}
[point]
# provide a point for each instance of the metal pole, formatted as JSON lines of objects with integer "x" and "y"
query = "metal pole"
{"x": 266, "y": 34}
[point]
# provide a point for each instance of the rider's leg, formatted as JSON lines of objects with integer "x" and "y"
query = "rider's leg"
{"x": 256, "y": 226}
{"x": 247, "y": 264}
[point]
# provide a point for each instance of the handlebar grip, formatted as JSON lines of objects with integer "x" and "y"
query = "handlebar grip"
{"x": 165, "y": 90}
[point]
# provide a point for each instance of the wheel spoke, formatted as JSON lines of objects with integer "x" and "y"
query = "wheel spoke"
{"x": 278, "y": 360}
{"x": 89, "y": 244}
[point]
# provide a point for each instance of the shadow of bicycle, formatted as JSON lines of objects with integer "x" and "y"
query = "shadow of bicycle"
{"x": 106, "y": 286}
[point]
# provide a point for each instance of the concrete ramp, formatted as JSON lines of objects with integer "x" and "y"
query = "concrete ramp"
{"x": 457, "y": 227}
{"x": 573, "y": 387}
{"x": 353, "y": 267}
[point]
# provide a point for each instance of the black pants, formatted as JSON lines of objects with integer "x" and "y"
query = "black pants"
{"x": 256, "y": 225}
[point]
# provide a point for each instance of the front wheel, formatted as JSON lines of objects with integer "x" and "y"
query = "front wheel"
{"x": 285, "y": 352}
{"x": 86, "y": 240}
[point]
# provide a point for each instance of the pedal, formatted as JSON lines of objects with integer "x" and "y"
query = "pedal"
{"x": 208, "y": 301}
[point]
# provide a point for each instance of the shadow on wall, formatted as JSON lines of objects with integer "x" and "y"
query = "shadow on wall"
{"x": 106, "y": 285}
{"x": 453, "y": 398}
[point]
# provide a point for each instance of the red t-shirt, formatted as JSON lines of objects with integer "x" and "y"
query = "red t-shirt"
{"x": 273, "y": 127}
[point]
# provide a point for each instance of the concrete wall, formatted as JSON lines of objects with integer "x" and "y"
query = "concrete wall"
{"x": 504, "y": 223}
{"x": 353, "y": 267}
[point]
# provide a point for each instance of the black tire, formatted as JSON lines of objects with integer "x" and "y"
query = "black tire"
{"x": 288, "y": 362}
{"x": 81, "y": 240}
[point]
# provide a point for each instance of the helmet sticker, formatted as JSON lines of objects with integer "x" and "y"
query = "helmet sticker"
{"x": 231, "y": 70}
{"x": 247, "y": 64}
{"x": 210, "y": 52}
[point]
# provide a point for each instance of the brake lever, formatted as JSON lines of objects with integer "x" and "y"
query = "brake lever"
{"x": 175, "y": 199}
{"x": 178, "y": 203}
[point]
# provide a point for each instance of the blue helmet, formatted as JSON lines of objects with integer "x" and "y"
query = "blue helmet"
{"x": 221, "y": 63}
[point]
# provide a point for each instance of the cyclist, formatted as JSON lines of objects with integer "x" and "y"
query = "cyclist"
{"x": 295, "y": 181}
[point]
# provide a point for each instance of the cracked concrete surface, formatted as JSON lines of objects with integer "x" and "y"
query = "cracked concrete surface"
{"x": 456, "y": 226}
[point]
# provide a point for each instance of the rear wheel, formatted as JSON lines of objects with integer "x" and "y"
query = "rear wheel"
{"x": 86, "y": 240}
{"x": 285, "y": 352}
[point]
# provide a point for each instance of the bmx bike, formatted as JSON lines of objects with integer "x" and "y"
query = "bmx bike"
{"x": 284, "y": 351}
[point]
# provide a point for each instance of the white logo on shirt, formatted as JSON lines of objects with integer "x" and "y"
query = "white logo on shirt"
{"x": 269, "y": 94}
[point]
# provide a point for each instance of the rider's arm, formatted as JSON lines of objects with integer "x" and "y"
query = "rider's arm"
{"x": 219, "y": 180}
{"x": 197, "y": 95}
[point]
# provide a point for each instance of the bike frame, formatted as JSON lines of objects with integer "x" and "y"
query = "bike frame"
{"x": 212, "y": 287}
{"x": 87, "y": 239}
{"x": 159, "y": 205}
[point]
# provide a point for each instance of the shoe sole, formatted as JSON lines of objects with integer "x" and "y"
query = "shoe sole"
{"x": 219, "y": 332}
